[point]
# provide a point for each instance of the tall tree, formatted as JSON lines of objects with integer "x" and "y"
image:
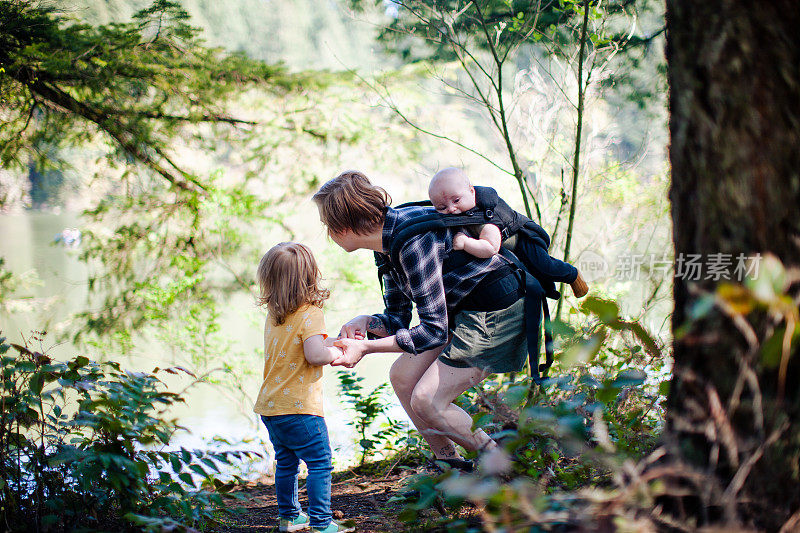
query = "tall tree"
{"x": 734, "y": 404}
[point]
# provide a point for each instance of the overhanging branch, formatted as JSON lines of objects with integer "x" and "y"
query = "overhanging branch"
{"x": 54, "y": 97}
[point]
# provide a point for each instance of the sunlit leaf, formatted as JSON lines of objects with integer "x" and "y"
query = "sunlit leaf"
{"x": 583, "y": 351}
{"x": 738, "y": 298}
{"x": 606, "y": 310}
{"x": 770, "y": 282}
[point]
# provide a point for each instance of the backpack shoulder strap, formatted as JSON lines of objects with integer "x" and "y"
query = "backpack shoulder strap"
{"x": 418, "y": 203}
{"x": 421, "y": 224}
{"x": 382, "y": 262}
{"x": 532, "y": 302}
{"x": 431, "y": 222}
{"x": 486, "y": 197}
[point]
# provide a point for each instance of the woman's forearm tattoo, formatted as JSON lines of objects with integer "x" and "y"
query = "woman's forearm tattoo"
{"x": 376, "y": 326}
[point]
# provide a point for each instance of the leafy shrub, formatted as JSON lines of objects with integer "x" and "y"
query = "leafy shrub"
{"x": 368, "y": 408}
{"x": 82, "y": 445}
{"x": 575, "y": 431}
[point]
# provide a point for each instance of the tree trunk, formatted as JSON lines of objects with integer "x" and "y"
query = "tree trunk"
{"x": 734, "y": 73}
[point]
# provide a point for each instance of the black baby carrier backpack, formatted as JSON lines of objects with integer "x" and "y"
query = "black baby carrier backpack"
{"x": 536, "y": 290}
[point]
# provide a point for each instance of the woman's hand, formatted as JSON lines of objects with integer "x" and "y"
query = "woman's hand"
{"x": 353, "y": 350}
{"x": 356, "y": 328}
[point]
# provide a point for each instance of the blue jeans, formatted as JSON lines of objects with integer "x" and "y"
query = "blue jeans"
{"x": 296, "y": 438}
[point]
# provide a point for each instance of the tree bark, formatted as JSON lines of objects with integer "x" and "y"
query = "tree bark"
{"x": 734, "y": 73}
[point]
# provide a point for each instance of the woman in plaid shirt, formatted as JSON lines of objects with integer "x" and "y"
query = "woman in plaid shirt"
{"x": 461, "y": 338}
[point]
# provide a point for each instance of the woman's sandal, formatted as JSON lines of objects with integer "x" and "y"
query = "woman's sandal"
{"x": 465, "y": 465}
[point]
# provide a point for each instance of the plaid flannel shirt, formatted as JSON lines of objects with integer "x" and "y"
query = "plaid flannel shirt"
{"x": 419, "y": 280}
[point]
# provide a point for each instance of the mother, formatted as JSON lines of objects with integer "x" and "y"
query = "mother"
{"x": 440, "y": 358}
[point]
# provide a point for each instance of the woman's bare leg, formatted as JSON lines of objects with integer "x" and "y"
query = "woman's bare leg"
{"x": 404, "y": 376}
{"x": 432, "y": 401}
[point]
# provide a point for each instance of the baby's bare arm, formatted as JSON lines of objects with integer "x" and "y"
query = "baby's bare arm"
{"x": 486, "y": 245}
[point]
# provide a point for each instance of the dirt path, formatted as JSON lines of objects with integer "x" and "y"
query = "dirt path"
{"x": 360, "y": 499}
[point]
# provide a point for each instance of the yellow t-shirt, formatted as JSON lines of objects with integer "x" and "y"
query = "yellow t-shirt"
{"x": 291, "y": 385}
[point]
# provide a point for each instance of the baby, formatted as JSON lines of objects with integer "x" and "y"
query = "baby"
{"x": 451, "y": 192}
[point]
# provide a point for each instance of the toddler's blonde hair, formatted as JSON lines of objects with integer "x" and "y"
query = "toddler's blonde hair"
{"x": 288, "y": 277}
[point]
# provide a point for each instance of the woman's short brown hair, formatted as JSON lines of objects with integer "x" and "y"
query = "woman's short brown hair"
{"x": 288, "y": 277}
{"x": 351, "y": 202}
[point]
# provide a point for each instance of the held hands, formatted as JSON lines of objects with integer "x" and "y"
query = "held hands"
{"x": 350, "y": 342}
{"x": 353, "y": 350}
{"x": 354, "y": 345}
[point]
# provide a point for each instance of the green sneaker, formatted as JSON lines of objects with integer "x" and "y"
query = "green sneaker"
{"x": 300, "y": 522}
{"x": 333, "y": 527}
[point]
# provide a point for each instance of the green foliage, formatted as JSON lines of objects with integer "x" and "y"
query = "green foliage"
{"x": 425, "y": 30}
{"x": 509, "y": 24}
{"x": 137, "y": 83}
{"x": 156, "y": 257}
{"x": 169, "y": 240}
{"x": 505, "y": 56}
{"x": 84, "y": 445}
{"x": 7, "y": 281}
{"x": 573, "y": 432}
{"x": 368, "y": 408}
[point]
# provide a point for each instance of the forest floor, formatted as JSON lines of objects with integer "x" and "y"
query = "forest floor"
{"x": 359, "y": 497}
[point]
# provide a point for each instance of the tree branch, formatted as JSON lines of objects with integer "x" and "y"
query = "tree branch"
{"x": 55, "y": 97}
{"x": 578, "y": 133}
{"x": 178, "y": 118}
{"x": 405, "y": 119}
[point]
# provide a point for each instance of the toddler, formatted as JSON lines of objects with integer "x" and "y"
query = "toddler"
{"x": 450, "y": 192}
{"x": 290, "y": 399}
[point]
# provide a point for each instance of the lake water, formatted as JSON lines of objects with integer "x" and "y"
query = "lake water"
{"x": 28, "y": 247}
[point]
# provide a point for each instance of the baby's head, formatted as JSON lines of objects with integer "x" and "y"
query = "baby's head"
{"x": 451, "y": 192}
